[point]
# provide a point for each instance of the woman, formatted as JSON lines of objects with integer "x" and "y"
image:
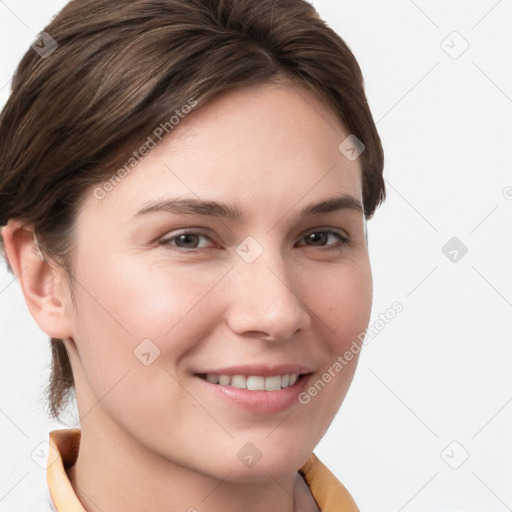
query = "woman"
{"x": 184, "y": 191}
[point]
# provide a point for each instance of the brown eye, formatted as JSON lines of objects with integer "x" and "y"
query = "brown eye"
{"x": 186, "y": 240}
{"x": 321, "y": 238}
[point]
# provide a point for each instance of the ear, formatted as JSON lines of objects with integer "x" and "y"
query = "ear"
{"x": 41, "y": 283}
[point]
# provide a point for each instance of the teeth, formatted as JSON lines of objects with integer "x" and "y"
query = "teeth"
{"x": 254, "y": 382}
{"x": 224, "y": 380}
{"x": 273, "y": 383}
{"x": 239, "y": 381}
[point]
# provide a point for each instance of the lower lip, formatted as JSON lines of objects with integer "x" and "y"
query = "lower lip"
{"x": 261, "y": 402}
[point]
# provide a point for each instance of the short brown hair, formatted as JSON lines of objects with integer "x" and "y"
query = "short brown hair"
{"x": 121, "y": 68}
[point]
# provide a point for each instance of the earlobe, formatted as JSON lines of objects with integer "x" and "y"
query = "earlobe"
{"x": 37, "y": 278}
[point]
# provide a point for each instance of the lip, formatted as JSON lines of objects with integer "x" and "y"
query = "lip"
{"x": 258, "y": 369}
{"x": 260, "y": 402}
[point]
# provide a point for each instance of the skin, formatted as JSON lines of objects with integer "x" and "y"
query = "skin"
{"x": 165, "y": 442}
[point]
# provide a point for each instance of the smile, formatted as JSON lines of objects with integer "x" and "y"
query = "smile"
{"x": 252, "y": 382}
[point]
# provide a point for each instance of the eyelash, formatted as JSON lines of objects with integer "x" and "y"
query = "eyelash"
{"x": 343, "y": 240}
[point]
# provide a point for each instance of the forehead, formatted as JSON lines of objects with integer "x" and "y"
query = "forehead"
{"x": 264, "y": 144}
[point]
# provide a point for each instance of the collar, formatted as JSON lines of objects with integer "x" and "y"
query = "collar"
{"x": 329, "y": 493}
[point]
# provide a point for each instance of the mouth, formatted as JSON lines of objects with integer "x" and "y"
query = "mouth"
{"x": 245, "y": 388}
{"x": 254, "y": 382}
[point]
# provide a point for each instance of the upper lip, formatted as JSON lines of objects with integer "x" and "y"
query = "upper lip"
{"x": 263, "y": 370}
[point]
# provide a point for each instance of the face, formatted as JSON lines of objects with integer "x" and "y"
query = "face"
{"x": 209, "y": 261}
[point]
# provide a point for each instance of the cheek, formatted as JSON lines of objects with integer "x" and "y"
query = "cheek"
{"x": 342, "y": 303}
{"x": 342, "y": 307}
{"x": 122, "y": 303}
{"x": 134, "y": 324}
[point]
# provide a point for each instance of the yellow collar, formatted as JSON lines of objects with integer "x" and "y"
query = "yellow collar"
{"x": 329, "y": 493}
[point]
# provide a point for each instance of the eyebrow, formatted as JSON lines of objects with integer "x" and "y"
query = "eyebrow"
{"x": 233, "y": 213}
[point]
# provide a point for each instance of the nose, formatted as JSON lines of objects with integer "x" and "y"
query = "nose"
{"x": 265, "y": 300}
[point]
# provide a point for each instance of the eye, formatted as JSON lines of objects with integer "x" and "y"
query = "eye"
{"x": 191, "y": 240}
{"x": 186, "y": 240}
{"x": 320, "y": 239}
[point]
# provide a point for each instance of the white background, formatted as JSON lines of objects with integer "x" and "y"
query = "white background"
{"x": 441, "y": 370}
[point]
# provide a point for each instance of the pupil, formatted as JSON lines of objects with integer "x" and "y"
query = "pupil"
{"x": 186, "y": 239}
{"x": 315, "y": 237}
